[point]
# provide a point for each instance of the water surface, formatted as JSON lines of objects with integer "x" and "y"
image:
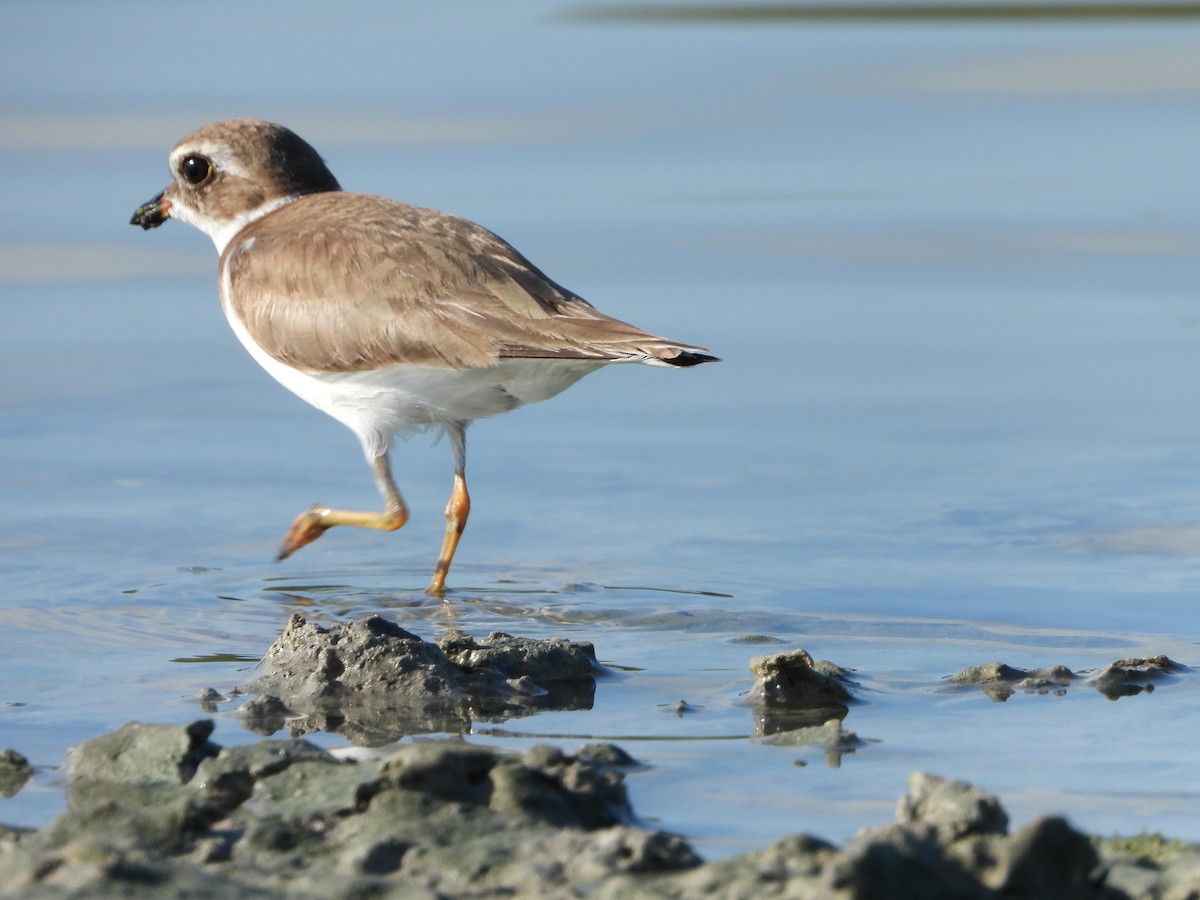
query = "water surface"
{"x": 951, "y": 268}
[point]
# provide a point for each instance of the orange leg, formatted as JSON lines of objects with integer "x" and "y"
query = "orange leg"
{"x": 457, "y": 511}
{"x": 317, "y": 519}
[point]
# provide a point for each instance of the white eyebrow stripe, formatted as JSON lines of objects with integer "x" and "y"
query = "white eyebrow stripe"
{"x": 215, "y": 152}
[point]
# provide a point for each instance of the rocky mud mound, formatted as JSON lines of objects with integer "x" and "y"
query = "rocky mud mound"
{"x": 1121, "y": 678}
{"x": 162, "y": 811}
{"x": 799, "y": 701}
{"x": 373, "y": 682}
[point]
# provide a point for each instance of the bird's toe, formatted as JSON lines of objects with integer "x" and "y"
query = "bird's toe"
{"x": 307, "y": 527}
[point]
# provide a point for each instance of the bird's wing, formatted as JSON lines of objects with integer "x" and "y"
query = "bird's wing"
{"x": 337, "y": 281}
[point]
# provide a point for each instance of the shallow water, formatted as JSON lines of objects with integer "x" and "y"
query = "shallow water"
{"x": 951, "y": 268}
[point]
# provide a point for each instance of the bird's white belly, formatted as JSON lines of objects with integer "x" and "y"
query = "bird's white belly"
{"x": 377, "y": 403}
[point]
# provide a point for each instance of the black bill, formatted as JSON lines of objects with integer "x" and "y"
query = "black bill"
{"x": 152, "y": 213}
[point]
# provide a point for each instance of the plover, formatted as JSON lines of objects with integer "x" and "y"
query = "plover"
{"x": 390, "y": 318}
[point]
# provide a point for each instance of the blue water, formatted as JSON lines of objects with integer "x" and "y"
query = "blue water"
{"x": 951, "y": 268}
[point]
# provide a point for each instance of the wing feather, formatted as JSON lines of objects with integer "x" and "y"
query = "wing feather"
{"x": 339, "y": 282}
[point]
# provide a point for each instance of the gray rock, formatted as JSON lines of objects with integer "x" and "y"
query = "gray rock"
{"x": 373, "y": 682}
{"x": 1149, "y": 865}
{"x": 792, "y": 691}
{"x": 1048, "y": 858}
{"x": 15, "y": 771}
{"x": 900, "y": 861}
{"x": 606, "y": 756}
{"x": 556, "y": 659}
{"x": 370, "y": 656}
{"x": 445, "y": 818}
{"x": 1054, "y": 679}
{"x": 260, "y": 760}
{"x": 989, "y": 673}
{"x": 276, "y": 818}
{"x": 1122, "y": 678}
{"x": 1128, "y": 677}
{"x": 954, "y": 809}
{"x": 794, "y": 678}
{"x": 791, "y": 868}
{"x": 1000, "y": 681}
{"x": 126, "y": 822}
{"x": 143, "y": 754}
{"x": 265, "y": 714}
{"x": 951, "y": 841}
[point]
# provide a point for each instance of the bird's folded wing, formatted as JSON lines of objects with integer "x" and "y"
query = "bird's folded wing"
{"x": 380, "y": 283}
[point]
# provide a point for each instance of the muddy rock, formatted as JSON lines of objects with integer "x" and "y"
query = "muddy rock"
{"x": 366, "y": 657}
{"x": 1000, "y": 681}
{"x": 954, "y": 809}
{"x": 1122, "y": 678}
{"x": 15, "y": 771}
{"x": 790, "y": 868}
{"x": 556, "y": 659}
{"x": 1048, "y": 858}
{"x": 792, "y": 691}
{"x": 1149, "y": 865}
{"x": 989, "y": 673}
{"x": 373, "y": 682}
{"x": 280, "y": 818}
{"x": 1127, "y": 677}
{"x": 145, "y": 754}
{"x": 265, "y": 714}
{"x": 606, "y": 756}
{"x": 898, "y": 861}
{"x": 951, "y": 840}
{"x": 444, "y": 818}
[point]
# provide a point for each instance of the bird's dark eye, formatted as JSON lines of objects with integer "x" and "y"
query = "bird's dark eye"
{"x": 196, "y": 169}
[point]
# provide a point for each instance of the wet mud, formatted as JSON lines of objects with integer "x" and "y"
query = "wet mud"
{"x": 163, "y": 810}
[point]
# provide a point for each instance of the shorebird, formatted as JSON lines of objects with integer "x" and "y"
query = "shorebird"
{"x": 391, "y": 318}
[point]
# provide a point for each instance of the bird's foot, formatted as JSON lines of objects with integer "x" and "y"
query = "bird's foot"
{"x": 309, "y": 526}
{"x": 437, "y": 587}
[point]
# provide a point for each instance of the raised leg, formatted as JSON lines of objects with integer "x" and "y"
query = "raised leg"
{"x": 457, "y": 511}
{"x": 317, "y": 519}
